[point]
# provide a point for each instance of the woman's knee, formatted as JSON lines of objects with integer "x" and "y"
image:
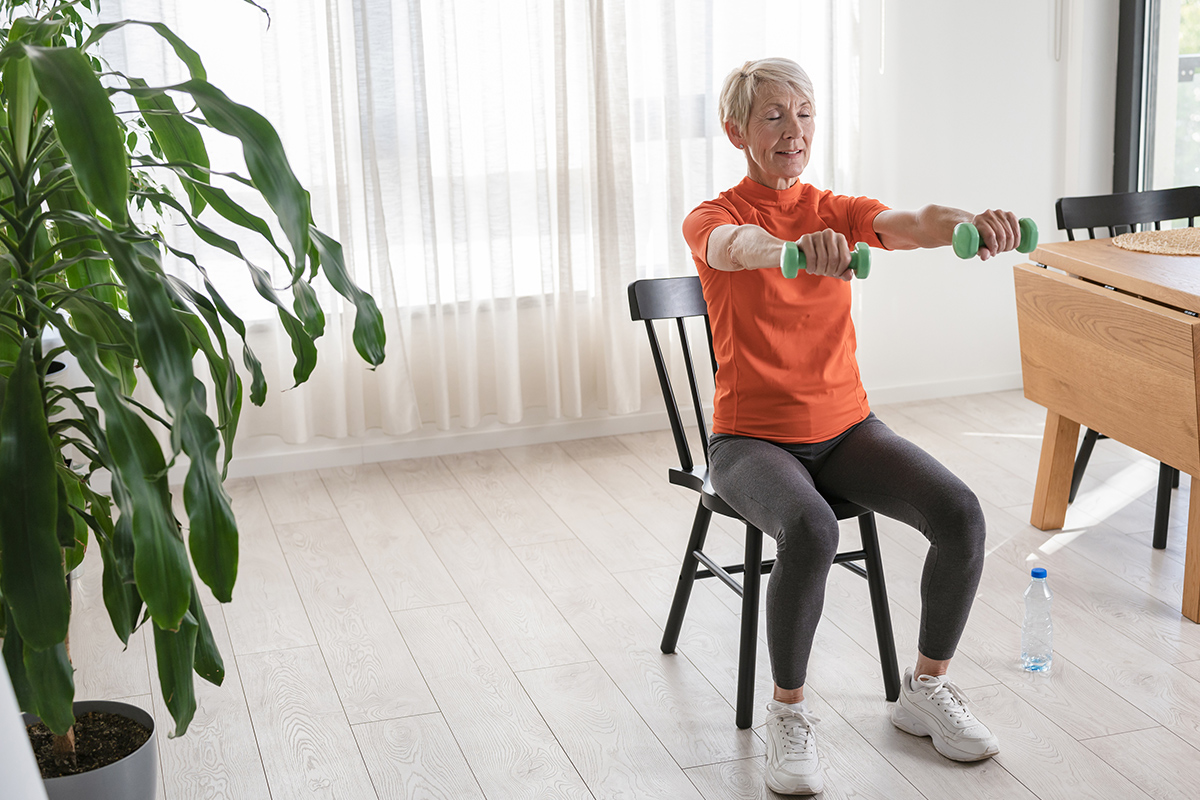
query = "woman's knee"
{"x": 810, "y": 529}
{"x": 960, "y": 524}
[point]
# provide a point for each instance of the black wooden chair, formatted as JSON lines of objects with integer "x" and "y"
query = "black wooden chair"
{"x": 679, "y": 299}
{"x": 1125, "y": 212}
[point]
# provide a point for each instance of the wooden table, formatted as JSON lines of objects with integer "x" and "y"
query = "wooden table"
{"x": 1114, "y": 344}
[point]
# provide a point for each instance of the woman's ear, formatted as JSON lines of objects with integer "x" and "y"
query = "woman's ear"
{"x": 735, "y": 136}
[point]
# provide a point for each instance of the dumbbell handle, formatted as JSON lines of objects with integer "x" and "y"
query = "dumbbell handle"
{"x": 792, "y": 260}
{"x": 966, "y": 238}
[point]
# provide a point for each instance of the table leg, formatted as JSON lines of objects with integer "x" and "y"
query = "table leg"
{"x": 1191, "y": 562}
{"x": 1054, "y": 473}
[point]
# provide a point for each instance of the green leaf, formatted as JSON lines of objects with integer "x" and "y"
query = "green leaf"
{"x": 36, "y": 30}
{"x": 33, "y": 582}
{"x": 220, "y": 364}
{"x": 179, "y": 139}
{"x": 220, "y": 201}
{"x": 208, "y": 663}
{"x": 96, "y": 319}
{"x": 175, "y": 652}
{"x": 219, "y": 303}
{"x": 53, "y": 682}
{"x": 73, "y": 555}
{"x": 265, "y": 159}
{"x": 212, "y": 534}
{"x": 303, "y": 348}
{"x": 65, "y": 524}
{"x": 22, "y": 95}
{"x": 186, "y": 54}
{"x": 163, "y": 349}
{"x": 260, "y": 8}
{"x": 308, "y": 308}
{"x": 14, "y": 660}
{"x": 121, "y": 598}
{"x": 370, "y": 337}
{"x": 86, "y": 126}
{"x": 258, "y": 384}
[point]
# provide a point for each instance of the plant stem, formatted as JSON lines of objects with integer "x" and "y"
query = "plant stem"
{"x": 63, "y": 747}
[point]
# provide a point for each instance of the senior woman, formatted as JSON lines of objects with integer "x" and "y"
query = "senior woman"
{"x": 791, "y": 418}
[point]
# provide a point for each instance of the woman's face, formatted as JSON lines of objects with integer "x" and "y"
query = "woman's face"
{"x": 778, "y": 138}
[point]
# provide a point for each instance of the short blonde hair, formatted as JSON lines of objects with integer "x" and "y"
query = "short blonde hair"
{"x": 737, "y": 95}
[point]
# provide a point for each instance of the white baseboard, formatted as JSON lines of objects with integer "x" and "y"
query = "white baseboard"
{"x": 886, "y": 395}
{"x": 267, "y": 455}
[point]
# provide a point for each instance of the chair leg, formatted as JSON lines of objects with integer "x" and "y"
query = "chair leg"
{"x": 1081, "y": 461}
{"x": 687, "y": 577}
{"x": 1162, "y": 507}
{"x": 748, "y": 651}
{"x": 879, "y": 607}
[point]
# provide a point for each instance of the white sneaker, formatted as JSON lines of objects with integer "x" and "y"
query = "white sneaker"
{"x": 793, "y": 766}
{"x": 938, "y": 709}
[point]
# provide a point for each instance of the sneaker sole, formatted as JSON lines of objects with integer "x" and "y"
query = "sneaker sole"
{"x": 814, "y": 788}
{"x": 905, "y": 721}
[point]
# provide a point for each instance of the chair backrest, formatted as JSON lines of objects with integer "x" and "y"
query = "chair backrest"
{"x": 678, "y": 299}
{"x": 1122, "y": 212}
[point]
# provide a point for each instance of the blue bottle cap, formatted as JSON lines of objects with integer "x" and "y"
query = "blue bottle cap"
{"x": 1038, "y": 572}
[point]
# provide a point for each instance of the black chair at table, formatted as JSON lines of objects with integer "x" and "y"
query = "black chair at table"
{"x": 1120, "y": 213}
{"x": 680, "y": 299}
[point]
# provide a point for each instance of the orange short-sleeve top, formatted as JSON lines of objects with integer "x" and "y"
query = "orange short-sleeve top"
{"x": 785, "y": 349}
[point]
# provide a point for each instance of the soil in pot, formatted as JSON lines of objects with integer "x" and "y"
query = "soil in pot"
{"x": 100, "y": 739}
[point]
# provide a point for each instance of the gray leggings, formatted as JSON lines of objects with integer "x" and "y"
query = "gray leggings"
{"x": 774, "y": 486}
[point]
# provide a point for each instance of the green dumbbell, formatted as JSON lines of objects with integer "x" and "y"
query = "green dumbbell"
{"x": 792, "y": 260}
{"x": 966, "y": 238}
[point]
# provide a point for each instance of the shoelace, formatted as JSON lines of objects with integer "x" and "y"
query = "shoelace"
{"x": 799, "y": 738}
{"x": 948, "y": 696}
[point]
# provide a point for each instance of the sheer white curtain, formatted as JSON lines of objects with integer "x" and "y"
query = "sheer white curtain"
{"x": 498, "y": 171}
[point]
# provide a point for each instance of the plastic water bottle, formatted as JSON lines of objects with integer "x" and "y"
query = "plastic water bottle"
{"x": 1037, "y": 635}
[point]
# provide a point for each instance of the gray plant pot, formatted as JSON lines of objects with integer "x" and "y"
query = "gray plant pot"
{"x": 134, "y": 777}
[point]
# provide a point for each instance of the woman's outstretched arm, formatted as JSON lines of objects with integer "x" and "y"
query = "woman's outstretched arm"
{"x": 933, "y": 226}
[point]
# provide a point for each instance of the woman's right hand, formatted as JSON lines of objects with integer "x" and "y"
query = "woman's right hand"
{"x": 826, "y": 253}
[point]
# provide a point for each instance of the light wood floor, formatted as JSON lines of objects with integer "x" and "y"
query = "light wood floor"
{"x": 487, "y": 625}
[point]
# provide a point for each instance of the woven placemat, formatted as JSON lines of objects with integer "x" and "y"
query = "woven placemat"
{"x": 1175, "y": 242}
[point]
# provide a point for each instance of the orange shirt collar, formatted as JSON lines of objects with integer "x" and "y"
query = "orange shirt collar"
{"x": 756, "y": 193}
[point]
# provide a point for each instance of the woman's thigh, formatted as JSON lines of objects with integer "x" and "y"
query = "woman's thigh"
{"x": 882, "y": 471}
{"x": 768, "y": 486}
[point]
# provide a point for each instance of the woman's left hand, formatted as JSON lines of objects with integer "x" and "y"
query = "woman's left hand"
{"x": 998, "y": 232}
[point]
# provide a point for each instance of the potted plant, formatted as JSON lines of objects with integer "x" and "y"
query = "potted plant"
{"x": 83, "y": 192}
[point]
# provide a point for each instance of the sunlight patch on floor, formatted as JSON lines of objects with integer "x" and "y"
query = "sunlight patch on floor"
{"x": 1116, "y": 492}
{"x": 1057, "y": 542}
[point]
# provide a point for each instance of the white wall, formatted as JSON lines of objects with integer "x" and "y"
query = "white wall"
{"x": 970, "y": 107}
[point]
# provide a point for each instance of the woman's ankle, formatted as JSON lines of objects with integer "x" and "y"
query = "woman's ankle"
{"x": 790, "y": 696}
